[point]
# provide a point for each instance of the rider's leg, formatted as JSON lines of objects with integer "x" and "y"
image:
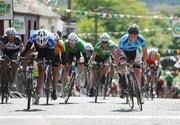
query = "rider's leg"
{"x": 55, "y": 75}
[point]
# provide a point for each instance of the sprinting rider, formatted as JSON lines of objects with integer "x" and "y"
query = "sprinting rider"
{"x": 128, "y": 47}
{"x": 59, "y": 57}
{"x": 10, "y": 45}
{"x": 74, "y": 48}
{"x": 44, "y": 43}
{"x": 102, "y": 52}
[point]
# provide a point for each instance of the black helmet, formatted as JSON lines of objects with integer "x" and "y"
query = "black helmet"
{"x": 133, "y": 29}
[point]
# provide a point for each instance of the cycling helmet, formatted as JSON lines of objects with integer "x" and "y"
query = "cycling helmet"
{"x": 11, "y": 31}
{"x": 133, "y": 29}
{"x": 104, "y": 38}
{"x": 73, "y": 37}
{"x": 42, "y": 38}
{"x": 152, "y": 53}
{"x": 56, "y": 37}
{"x": 89, "y": 46}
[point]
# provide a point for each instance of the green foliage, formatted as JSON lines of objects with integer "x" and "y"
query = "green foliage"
{"x": 160, "y": 37}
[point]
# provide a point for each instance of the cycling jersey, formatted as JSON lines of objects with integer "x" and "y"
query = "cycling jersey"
{"x": 104, "y": 53}
{"x": 71, "y": 52}
{"x": 127, "y": 45}
{"x": 43, "y": 51}
{"x": 11, "y": 47}
{"x": 79, "y": 47}
{"x": 51, "y": 40}
{"x": 59, "y": 47}
{"x": 151, "y": 62}
{"x": 158, "y": 56}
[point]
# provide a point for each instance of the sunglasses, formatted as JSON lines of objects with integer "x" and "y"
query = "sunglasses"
{"x": 104, "y": 42}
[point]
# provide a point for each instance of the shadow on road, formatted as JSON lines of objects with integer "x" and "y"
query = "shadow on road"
{"x": 31, "y": 110}
{"x": 62, "y": 103}
{"x": 125, "y": 110}
{"x": 46, "y": 104}
{"x": 97, "y": 102}
{"x": 6, "y": 103}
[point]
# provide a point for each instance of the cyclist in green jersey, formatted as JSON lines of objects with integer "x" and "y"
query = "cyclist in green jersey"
{"x": 102, "y": 52}
{"x": 74, "y": 48}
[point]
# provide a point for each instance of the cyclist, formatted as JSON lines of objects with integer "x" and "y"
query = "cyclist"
{"x": 74, "y": 48}
{"x": 102, "y": 52}
{"x": 151, "y": 62}
{"x": 128, "y": 47}
{"x": 44, "y": 43}
{"x": 89, "y": 51}
{"x": 10, "y": 45}
{"x": 59, "y": 57}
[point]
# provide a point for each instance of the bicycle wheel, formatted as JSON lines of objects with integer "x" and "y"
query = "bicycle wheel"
{"x": 70, "y": 87}
{"x": 144, "y": 87}
{"x": 138, "y": 93}
{"x": 47, "y": 84}
{"x": 2, "y": 92}
{"x": 129, "y": 97}
{"x": 97, "y": 86}
{"x": 106, "y": 85}
{"x": 151, "y": 91}
{"x": 29, "y": 90}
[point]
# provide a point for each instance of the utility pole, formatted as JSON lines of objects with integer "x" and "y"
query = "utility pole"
{"x": 96, "y": 27}
{"x": 69, "y": 18}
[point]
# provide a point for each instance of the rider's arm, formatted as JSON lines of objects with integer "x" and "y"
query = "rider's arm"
{"x": 27, "y": 48}
{"x": 93, "y": 56}
{"x": 145, "y": 54}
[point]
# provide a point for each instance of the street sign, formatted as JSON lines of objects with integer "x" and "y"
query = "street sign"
{"x": 176, "y": 27}
{"x": 19, "y": 24}
{"x": 6, "y": 10}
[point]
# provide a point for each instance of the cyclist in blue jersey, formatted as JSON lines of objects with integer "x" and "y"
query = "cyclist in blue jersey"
{"x": 128, "y": 51}
{"x": 43, "y": 42}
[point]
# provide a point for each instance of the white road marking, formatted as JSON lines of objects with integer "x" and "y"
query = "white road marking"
{"x": 89, "y": 117}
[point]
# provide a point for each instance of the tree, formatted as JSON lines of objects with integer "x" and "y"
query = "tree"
{"x": 157, "y": 36}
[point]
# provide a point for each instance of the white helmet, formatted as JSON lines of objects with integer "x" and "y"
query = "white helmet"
{"x": 104, "y": 37}
{"x": 10, "y": 31}
{"x": 152, "y": 52}
{"x": 73, "y": 37}
{"x": 89, "y": 46}
{"x": 56, "y": 37}
{"x": 42, "y": 38}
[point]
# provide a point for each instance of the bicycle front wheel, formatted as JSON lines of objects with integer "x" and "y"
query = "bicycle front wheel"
{"x": 138, "y": 93}
{"x": 70, "y": 87}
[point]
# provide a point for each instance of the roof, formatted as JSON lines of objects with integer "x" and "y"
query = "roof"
{"x": 34, "y": 7}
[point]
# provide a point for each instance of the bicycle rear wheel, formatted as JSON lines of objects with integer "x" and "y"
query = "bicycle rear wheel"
{"x": 70, "y": 87}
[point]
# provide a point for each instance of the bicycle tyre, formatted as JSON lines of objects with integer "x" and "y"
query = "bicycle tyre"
{"x": 28, "y": 89}
{"x": 71, "y": 84}
{"x": 97, "y": 86}
{"x": 130, "y": 97}
{"x": 138, "y": 93}
{"x": 47, "y": 84}
{"x": 106, "y": 85}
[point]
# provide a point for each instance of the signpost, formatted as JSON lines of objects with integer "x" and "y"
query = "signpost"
{"x": 176, "y": 27}
{"x": 19, "y": 24}
{"x": 6, "y": 9}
